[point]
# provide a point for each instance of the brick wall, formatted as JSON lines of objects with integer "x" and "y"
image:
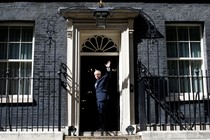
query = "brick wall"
{"x": 46, "y": 14}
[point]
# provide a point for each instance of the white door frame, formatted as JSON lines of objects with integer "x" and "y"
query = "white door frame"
{"x": 126, "y": 71}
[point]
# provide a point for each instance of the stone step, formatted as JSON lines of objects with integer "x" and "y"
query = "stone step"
{"x": 101, "y": 133}
{"x": 128, "y": 137}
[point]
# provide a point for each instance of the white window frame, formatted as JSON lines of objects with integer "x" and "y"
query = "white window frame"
{"x": 184, "y": 96}
{"x": 20, "y": 98}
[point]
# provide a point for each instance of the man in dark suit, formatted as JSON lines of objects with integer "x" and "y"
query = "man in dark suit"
{"x": 102, "y": 95}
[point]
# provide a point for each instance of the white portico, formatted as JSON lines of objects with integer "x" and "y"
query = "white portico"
{"x": 82, "y": 29}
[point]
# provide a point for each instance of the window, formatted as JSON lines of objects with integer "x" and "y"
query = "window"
{"x": 99, "y": 43}
{"x": 184, "y": 58}
{"x": 16, "y": 55}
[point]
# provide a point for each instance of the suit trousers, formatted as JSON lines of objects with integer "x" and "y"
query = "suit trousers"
{"x": 102, "y": 109}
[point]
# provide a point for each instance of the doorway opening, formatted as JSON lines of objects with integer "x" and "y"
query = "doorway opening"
{"x": 88, "y": 108}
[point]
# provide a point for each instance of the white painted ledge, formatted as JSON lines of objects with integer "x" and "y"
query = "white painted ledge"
{"x": 31, "y": 135}
{"x": 175, "y": 135}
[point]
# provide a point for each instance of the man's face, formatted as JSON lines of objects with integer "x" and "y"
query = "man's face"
{"x": 97, "y": 74}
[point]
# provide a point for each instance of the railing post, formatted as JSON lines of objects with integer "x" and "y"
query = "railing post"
{"x": 8, "y": 112}
{"x": 197, "y": 77}
{"x": 141, "y": 97}
{"x": 198, "y": 96}
{"x": 59, "y": 102}
{"x": 141, "y": 104}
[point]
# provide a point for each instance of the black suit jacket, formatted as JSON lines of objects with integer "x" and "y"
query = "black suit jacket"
{"x": 101, "y": 87}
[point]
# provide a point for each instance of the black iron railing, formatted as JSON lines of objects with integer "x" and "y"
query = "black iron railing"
{"x": 42, "y": 106}
{"x": 166, "y": 106}
{"x": 31, "y": 104}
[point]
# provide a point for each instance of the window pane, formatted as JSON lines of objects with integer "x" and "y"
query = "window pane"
{"x": 197, "y": 84}
{"x": 3, "y": 69}
{"x": 26, "y": 51}
{"x": 185, "y": 84}
{"x": 172, "y": 67}
{"x": 14, "y": 50}
{"x": 3, "y": 86}
{"x": 13, "y": 82}
{"x": 25, "y": 81}
{"x": 172, "y": 49}
{"x": 14, "y": 34}
{"x": 183, "y": 49}
{"x": 183, "y": 34}
{"x": 26, "y": 69}
{"x": 171, "y": 33}
{"x": 25, "y": 84}
{"x": 196, "y": 67}
{"x": 195, "y": 49}
{"x": 13, "y": 85}
{"x": 184, "y": 67}
{"x": 3, "y": 34}
{"x": 194, "y": 33}
{"x": 173, "y": 85}
{"x": 27, "y": 34}
{"x": 3, "y": 50}
{"x": 14, "y": 69}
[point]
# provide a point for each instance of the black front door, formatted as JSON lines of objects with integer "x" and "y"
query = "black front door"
{"x": 88, "y": 109}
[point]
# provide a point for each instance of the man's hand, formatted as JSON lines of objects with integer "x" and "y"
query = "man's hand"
{"x": 108, "y": 64}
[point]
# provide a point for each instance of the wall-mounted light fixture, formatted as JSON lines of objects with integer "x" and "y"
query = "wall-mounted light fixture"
{"x": 101, "y": 15}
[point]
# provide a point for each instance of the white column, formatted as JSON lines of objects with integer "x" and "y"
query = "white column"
{"x": 124, "y": 82}
{"x": 73, "y": 82}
